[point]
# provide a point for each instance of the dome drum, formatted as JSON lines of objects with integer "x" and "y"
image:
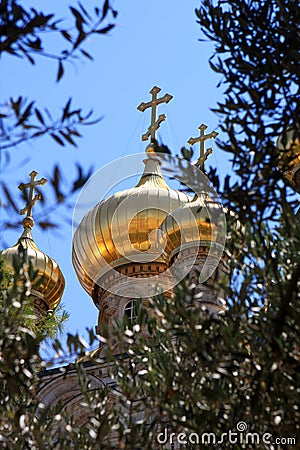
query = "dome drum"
{"x": 206, "y": 263}
{"x": 112, "y": 308}
{"x": 197, "y": 253}
{"x": 117, "y": 282}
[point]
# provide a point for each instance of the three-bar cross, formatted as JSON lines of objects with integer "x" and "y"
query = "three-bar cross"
{"x": 32, "y": 198}
{"x": 153, "y": 104}
{"x": 202, "y": 138}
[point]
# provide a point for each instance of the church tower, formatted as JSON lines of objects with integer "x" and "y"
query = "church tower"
{"x": 195, "y": 239}
{"x": 48, "y": 286}
{"x": 131, "y": 246}
{"x": 142, "y": 241}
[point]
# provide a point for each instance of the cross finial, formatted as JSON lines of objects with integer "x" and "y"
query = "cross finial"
{"x": 202, "y": 138}
{"x": 153, "y": 104}
{"x": 31, "y": 198}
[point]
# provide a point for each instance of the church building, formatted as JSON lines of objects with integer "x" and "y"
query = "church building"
{"x": 132, "y": 245}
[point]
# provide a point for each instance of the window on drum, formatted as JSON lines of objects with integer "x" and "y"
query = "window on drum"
{"x": 130, "y": 311}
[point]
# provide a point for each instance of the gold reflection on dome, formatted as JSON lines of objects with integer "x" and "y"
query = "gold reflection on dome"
{"x": 125, "y": 225}
{"x": 190, "y": 225}
{"x": 195, "y": 223}
{"x": 50, "y": 280}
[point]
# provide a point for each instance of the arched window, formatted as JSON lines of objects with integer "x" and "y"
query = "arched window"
{"x": 130, "y": 311}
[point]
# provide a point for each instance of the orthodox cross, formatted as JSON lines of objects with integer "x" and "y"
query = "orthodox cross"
{"x": 202, "y": 138}
{"x": 31, "y": 198}
{"x": 155, "y": 123}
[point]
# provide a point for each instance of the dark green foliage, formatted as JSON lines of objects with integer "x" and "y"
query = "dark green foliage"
{"x": 23, "y": 122}
{"x": 256, "y": 56}
{"x": 194, "y": 373}
{"x": 19, "y": 354}
{"x": 258, "y": 62}
{"x": 22, "y": 31}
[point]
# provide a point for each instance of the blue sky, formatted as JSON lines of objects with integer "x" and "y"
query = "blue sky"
{"x": 154, "y": 43}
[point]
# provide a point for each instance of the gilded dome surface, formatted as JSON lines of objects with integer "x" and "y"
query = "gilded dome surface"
{"x": 124, "y": 227}
{"x": 50, "y": 280}
{"x": 199, "y": 222}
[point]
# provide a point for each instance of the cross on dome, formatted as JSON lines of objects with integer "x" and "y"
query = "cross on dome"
{"x": 155, "y": 123}
{"x": 32, "y": 198}
{"x": 202, "y": 138}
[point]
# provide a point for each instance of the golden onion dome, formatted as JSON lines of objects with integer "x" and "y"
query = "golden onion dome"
{"x": 123, "y": 228}
{"x": 49, "y": 283}
{"x": 200, "y": 222}
{"x": 288, "y": 145}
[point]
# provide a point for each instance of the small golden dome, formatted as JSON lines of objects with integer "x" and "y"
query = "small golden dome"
{"x": 51, "y": 287}
{"x": 193, "y": 224}
{"x": 123, "y": 227}
{"x": 289, "y": 157}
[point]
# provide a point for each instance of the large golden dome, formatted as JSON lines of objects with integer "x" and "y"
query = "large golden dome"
{"x": 123, "y": 228}
{"x": 49, "y": 280}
